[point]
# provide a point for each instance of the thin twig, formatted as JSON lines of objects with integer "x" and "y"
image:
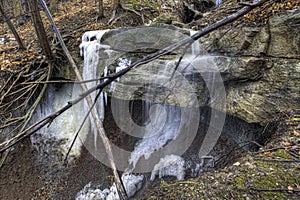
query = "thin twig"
{"x": 179, "y": 60}
{"x": 65, "y": 81}
{"x": 274, "y": 189}
{"x": 278, "y": 160}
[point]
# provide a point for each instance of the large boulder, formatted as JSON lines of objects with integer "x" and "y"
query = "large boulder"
{"x": 259, "y": 66}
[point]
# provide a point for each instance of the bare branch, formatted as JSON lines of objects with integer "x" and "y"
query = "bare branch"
{"x": 274, "y": 189}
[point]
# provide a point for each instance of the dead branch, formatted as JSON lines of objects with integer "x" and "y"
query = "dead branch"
{"x": 40, "y": 29}
{"x": 278, "y": 160}
{"x": 274, "y": 189}
{"x": 115, "y": 6}
{"x": 197, "y": 14}
{"x": 99, "y": 125}
{"x": 65, "y": 81}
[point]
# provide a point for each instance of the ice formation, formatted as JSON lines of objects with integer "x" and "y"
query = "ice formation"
{"x": 91, "y": 38}
{"x": 88, "y": 193}
{"x": 168, "y": 118}
{"x": 156, "y": 141}
{"x": 131, "y": 183}
{"x": 218, "y": 2}
{"x": 58, "y": 137}
{"x": 55, "y": 140}
{"x": 196, "y": 50}
{"x": 123, "y": 63}
{"x": 89, "y": 49}
{"x": 170, "y": 165}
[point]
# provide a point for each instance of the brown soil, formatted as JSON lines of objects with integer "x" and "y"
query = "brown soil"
{"x": 20, "y": 176}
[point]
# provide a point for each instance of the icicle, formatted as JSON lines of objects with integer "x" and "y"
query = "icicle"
{"x": 156, "y": 141}
{"x": 91, "y": 37}
{"x": 195, "y": 45}
{"x": 90, "y": 47}
{"x": 170, "y": 165}
{"x": 123, "y": 63}
{"x": 218, "y": 2}
{"x": 105, "y": 73}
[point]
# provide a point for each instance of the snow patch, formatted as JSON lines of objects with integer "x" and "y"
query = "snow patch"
{"x": 132, "y": 184}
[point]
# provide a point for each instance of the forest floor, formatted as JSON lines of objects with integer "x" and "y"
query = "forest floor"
{"x": 271, "y": 173}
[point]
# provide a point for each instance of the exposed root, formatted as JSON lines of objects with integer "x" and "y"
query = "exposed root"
{"x": 17, "y": 95}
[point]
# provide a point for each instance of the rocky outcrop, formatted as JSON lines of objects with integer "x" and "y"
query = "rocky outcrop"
{"x": 279, "y": 38}
{"x": 276, "y": 86}
{"x": 259, "y": 66}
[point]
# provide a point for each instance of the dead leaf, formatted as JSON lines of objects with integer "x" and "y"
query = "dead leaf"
{"x": 290, "y": 188}
{"x": 269, "y": 154}
{"x": 286, "y": 144}
{"x": 296, "y": 133}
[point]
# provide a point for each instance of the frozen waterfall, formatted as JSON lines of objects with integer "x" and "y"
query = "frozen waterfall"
{"x": 162, "y": 123}
{"x": 55, "y": 140}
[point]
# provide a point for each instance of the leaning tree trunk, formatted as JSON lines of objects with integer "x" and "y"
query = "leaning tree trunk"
{"x": 11, "y": 27}
{"x": 39, "y": 29}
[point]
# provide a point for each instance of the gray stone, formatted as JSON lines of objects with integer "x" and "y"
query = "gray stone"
{"x": 285, "y": 35}
{"x": 260, "y": 68}
{"x": 143, "y": 39}
{"x": 279, "y": 38}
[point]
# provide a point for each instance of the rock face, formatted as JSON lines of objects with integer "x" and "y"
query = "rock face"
{"x": 274, "y": 86}
{"x": 279, "y": 38}
{"x": 260, "y": 68}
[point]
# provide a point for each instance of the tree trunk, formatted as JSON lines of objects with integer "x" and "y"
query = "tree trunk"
{"x": 53, "y": 7}
{"x": 11, "y": 27}
{"x": 17, "y": 12}
{"x": 115, "y": 4}
{"x": 101, "y": 8}
{"x": 39, "y": 29}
